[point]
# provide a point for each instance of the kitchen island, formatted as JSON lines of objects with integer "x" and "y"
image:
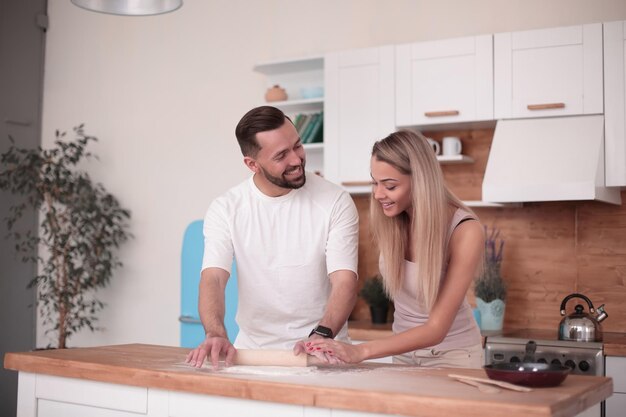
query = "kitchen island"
{"x": 127, "y": 380}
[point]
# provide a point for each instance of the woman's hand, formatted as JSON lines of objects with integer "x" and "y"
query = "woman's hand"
{"x": 302, "y": 347}
{"x": 341, "y": 352}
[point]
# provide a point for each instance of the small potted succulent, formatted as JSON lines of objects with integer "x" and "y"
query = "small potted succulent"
{"x": 490, "y": 287}
{"x": 373, "y": 293}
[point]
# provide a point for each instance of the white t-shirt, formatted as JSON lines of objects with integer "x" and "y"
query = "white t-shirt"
{"x": 284, "y": 247}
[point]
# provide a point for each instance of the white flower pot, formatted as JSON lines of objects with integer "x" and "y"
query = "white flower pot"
{"x": 491, "y": 314}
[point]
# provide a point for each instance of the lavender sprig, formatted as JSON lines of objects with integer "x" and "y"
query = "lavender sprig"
{"x": 490, "y": 285}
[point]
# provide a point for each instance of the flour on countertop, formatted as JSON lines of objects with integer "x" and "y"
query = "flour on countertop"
{"x": 269, "y": 370}
{"x": 294, "y": 370}
{"x": 253, "y": 370}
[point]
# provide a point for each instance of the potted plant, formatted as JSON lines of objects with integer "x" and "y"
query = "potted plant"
{"x": 81, "y": 227}
{"x": 490, "y": 287}
{"x": 373, "y": 293}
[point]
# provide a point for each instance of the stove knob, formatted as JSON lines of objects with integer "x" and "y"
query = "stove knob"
{"x": 584, "y": 366}
{"x": 571, "y": 364}
{"x": 542, "y": 360}
{"x": 555, "y": 362}
{"x": 514, "y": 359}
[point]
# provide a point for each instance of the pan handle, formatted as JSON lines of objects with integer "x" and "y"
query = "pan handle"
{"x": 529, "y": 355}
{"x": 566, "y": 299}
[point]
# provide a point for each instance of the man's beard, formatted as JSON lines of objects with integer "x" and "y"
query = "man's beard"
{"x": 283, "y": 182}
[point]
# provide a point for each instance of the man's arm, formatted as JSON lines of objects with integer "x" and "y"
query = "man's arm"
{"x": 211, "y": 309}
{"x": 340, "y": 304}
{"x": 211, "y": 305}
{"x": 341, "y": 258}
{"x": 341, "y": 300}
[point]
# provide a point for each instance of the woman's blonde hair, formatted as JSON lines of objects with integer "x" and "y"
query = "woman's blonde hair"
{"x": 410, "y": 153}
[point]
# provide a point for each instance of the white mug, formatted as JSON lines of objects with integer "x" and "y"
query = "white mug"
{"x": 452, "y": 146}
{"x": 435, "y": 145}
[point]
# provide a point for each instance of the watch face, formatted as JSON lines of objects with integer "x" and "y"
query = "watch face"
{"x": 323, "y": 331}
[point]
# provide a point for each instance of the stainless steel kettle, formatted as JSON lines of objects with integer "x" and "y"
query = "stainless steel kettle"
{"x": 581, "y": 326}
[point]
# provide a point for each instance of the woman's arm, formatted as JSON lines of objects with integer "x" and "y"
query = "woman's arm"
{"x": 465, "y": 249}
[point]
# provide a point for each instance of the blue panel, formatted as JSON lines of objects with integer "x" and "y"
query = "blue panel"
{"x": 191, "y": 334}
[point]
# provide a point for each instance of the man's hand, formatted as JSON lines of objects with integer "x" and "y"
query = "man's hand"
{"x": 213, "y": 346}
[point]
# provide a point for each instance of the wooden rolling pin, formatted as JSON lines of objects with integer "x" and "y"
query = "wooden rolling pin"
{"x": 270, "y": 357}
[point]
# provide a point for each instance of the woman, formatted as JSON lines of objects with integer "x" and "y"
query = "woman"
{"x": 431, "y": 246}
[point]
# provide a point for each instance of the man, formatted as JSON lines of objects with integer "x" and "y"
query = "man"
{"x": 294, "y": 238}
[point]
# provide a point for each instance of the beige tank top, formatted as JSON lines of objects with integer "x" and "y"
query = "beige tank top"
{"x": 409, "y": 313}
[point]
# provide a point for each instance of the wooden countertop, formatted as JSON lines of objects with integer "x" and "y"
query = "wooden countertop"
{"x": 614, "y": 344}
{"x": 369, "y": 387}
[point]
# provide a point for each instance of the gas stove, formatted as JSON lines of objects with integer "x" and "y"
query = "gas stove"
{"x": 585, "y": 358}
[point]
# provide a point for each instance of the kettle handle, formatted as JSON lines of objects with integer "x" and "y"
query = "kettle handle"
{"x": 566, "y": 299}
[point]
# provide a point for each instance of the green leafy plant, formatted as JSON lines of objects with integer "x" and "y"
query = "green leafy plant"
{"x": 490, "y": 284}
{"x": 80, "y": 227}
{"x": 373, "y": 292}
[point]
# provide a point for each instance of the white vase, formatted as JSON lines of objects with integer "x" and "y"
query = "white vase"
{"x": 491, "y": 314}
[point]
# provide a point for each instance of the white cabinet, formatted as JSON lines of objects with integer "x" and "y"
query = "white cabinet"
{"x": 359, "y": 109}
{"x": 445, "y": 81}
{"x": 615, "y": 103}
{"x": 51, "y": 396}
{"x": 303, "y": 81}
{"x": 616, "y": 368}
{"x": 548, "y": 72}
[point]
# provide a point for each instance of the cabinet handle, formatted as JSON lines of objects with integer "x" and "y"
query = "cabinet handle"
{"x": 189, "y": 319}
{"x": 546, "y": 106}
{"x": 355, "y": 183}
{"x": 441, "y": 113}
{"x": 18, "y": 122}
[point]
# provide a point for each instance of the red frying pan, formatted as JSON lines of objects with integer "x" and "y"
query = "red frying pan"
{"x": 529, "y": 372}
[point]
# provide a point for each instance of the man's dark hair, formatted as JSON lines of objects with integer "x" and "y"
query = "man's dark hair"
{"x": 259, "y": 119}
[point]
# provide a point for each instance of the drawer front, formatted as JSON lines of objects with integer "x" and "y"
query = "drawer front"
{"x": 616, "y": 369}
{"x": 91, "y": 393}
{"x": 615, "y": 405}
{"x": 46, "y": 408}
{"x": 183, "y": 404}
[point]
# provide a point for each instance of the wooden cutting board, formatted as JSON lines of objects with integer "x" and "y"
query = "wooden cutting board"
{"x": 370, "y": 387}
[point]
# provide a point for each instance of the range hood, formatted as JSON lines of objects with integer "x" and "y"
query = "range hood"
{"x": 548, "y": 159}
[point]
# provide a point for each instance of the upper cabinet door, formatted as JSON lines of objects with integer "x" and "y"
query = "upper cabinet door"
{"x": 548, "y": 72}
{"x": 446, "y": 81}
{"x": 359, "y": 109}
{"x": 615, "y": 103}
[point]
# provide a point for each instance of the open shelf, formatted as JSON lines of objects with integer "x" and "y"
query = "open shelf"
{"x": 313, "y": 146}
{"x": 299, "y": 105}
{"x": 486, "y": 204}
{"x": 301, "y": 78}
{"x": 455, "y": 159}
{"x": 290, "y": 66}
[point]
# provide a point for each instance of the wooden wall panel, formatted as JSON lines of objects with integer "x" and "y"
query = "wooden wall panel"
{"x": 539, "y": 261}
{"x": 551, "y": 250}
{"x": 368, "y": 254}
{"x": 601, "y": 259}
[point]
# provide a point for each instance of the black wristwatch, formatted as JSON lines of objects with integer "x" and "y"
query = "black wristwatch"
{"x": 322, "y": 331}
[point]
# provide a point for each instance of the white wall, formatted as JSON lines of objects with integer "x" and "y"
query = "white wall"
{"x": 164, "y": 93}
